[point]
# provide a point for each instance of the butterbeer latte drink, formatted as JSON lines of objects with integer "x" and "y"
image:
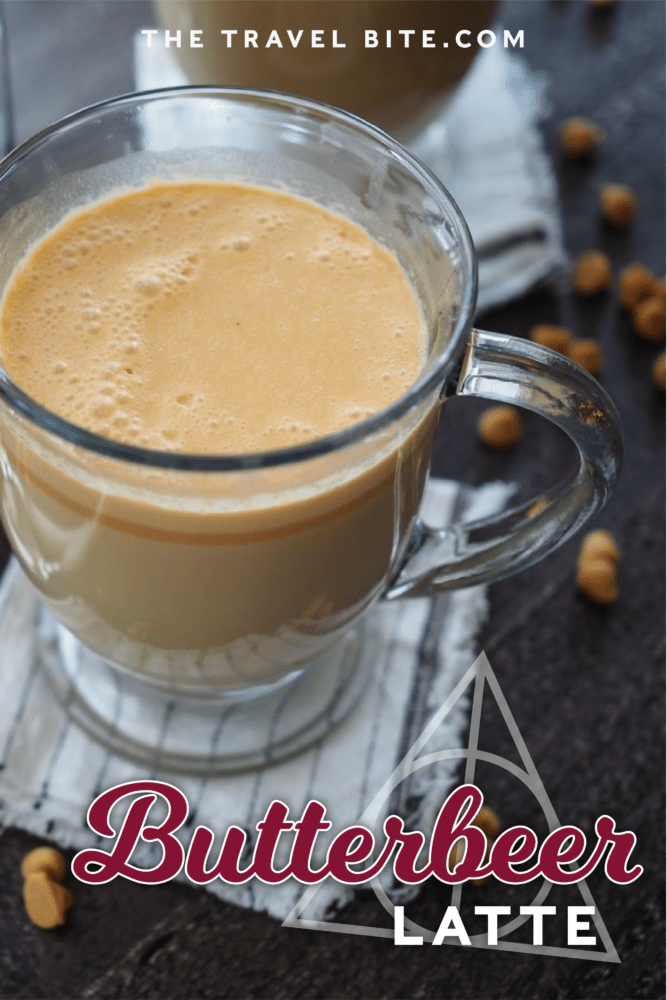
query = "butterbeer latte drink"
{"x": 211, "y": 318}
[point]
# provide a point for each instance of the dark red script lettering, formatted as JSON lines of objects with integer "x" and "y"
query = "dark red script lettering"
{"x": 349, "y": 850}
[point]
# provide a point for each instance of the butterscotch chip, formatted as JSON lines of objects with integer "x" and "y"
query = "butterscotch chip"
{"x": 658, "y": 371}
{"x": 597, "y": 579}
{"x": 579, "y": 136}
{"x": 592, "y": 273}
{"x": 557, "y": 338}
{"x": 599, "y": 544}
{"x": 635, "y": 283}
{"x": 499, "y": 427}
{"x": 45, "y": 901}
{"x": 488, "y": 822}
{"x": 586, "y": 353}
{"x": 660, "y": 287}
{"x": 44, "y": 859}
{"x": 618, "y": 203}
{"x": 648, "y": 318}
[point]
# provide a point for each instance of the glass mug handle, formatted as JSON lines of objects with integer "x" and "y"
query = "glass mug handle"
{"x": 510, "y": 370}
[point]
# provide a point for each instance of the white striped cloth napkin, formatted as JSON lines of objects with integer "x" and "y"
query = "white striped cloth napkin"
{"x": 51, "y": 770}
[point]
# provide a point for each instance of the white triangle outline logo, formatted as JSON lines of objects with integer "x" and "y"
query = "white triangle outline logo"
{"x": 482, "y": 675}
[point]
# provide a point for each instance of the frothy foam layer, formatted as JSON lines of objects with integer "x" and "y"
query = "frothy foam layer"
{"x": 211, "y": 318}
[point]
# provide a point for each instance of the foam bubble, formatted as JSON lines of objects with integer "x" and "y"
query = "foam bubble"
{"x": 115, "y": 324}
{"x": 102, "y": 407}
{"x": 148, "y": 285}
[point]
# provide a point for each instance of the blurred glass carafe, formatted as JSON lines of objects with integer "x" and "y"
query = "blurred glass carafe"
{"x": 397, "y": 87}
{"x": 6, "y": 124}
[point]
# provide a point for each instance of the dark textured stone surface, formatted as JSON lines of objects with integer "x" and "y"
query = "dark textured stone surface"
{"x": 585, "y": 683}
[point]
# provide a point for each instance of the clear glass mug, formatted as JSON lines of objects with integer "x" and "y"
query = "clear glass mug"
{"x": 187, "y": 583}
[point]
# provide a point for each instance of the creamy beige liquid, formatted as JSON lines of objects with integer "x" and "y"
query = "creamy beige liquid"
{"x": 211, "y": 318}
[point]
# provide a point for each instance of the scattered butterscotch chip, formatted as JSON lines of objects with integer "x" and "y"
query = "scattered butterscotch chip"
{"x": 499, "y": 427}
{"x": 658, "y": 372}
{"x": 44, "y": 859}
{"x": 557, "y": 338}
{"x": 586, "y": 353}
{"x": 579, "y": 136}
{"x": 648, "y": 318}
{"x": 599, "y": 544}
{"x": 592, "y": 273}
{"x": 488, "y": 822}
{"x": 635, "y": 283}
{"x": 46, "y": 902}
{"x": 597, "y": 579}
{"x": 596, "y": 567}
{"x": 660, "y": 287}
{"x": 618, "y": 203}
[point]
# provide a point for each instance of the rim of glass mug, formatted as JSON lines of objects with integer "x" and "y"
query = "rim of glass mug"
{"x": 434, "y": 373}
